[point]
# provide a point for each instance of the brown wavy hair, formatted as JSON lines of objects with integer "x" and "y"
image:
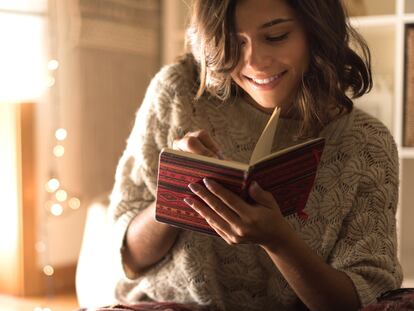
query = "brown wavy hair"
{"x": 336, "y": 72}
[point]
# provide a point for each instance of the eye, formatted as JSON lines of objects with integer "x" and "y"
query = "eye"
{"x": 278, "y": 38}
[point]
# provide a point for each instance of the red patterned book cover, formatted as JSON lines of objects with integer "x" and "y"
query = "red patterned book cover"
{"x": 288, "y": 174}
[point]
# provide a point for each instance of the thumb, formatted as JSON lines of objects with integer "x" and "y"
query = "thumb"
{"x": 261, "y": 196}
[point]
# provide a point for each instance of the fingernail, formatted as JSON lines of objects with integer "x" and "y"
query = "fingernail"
{"x": 207, "y": 181}
{"x": 220, "y": 155}
{"x": 188, "y": 201}
{"x": 194, "y": 187}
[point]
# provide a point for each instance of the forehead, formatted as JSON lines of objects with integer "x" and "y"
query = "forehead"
{"x": 251, "y": 14}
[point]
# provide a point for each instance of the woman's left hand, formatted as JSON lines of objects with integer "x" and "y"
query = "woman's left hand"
{"x": 237, "y": 221}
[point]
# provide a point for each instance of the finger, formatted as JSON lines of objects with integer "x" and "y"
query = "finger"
{"x": 192, "y": 144}
{"x": 214, "y": 220}
{"x": 226, "y": 237}
{"x": 261, "y": 196}
{"x": 218, "y": 229}
{"x": 230, "y": 199}
{"x": 221, "y": 209}
{"x": 208, "y": 141}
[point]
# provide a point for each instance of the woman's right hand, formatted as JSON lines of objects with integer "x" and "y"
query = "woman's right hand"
{"x": 198, "y": 142}
{"x": 147, "y": 241}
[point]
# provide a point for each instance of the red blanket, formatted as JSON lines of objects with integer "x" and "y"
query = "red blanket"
{"x": 150, "y": 306}
{"x": 395, "y": 300}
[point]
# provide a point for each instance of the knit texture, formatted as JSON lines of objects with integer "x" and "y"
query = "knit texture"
{"x": 351, "y": 210}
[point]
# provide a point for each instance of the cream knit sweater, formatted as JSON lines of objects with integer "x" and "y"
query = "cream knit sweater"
{"x": 351, "y": 210}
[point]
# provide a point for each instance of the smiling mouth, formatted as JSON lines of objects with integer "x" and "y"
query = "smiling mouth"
{"x": 266, "y": 80}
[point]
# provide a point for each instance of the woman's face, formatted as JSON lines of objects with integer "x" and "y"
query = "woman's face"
{"x": 273, "y": 52}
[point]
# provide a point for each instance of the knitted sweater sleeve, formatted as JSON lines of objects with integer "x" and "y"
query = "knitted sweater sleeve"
{"x": 156, "y": 126}
{"x": 367, "y": 247}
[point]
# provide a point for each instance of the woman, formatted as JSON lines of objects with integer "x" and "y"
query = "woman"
{"x": 248, "y": 57}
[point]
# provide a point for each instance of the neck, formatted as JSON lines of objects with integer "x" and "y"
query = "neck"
{"x": 287, "y": 111}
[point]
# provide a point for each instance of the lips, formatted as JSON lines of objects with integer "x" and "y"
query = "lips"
{"x": 266, "y": 83}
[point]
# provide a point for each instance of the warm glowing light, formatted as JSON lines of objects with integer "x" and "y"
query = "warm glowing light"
{"x": 9, "y": 188}
{"x": 61, "y": 195}
{"x": 50, "y": 81}
{"x": 38, "y": 309}
{"x": 56, "y": 209}
{"x": 53, "y": 64}
{"x": 22, "y": 62}
{"x": 48, "y": 270}
{"x": 74, "y": 203}
{"x": 48, "y": 205}
{"x": 40, "y": 247}
{"x": 52, "y": 185}
{"x": 59, "y": 151}
{"x": 61, "y": 134}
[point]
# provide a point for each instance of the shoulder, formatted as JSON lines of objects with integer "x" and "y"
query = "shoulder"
{"x": 371, "y": 131}
{"x": 358, "y": 129}
{"x": 369, "y": 142}
{"x": 359, "y": 135}
{"x": 366, "y": 122}
{"x": 171, "y": 91}
{"x": 180, "y": 77}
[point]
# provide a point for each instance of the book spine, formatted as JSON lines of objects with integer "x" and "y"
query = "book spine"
{"x": 408, "y": 135}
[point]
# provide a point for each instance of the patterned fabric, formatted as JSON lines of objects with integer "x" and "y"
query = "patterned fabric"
{"x": 396, "y": 300}
{"x": 351, "y": 210}
{"x": 149, "y": 306}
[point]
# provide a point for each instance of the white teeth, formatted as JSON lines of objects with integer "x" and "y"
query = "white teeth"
{"x": 267, "y": 80}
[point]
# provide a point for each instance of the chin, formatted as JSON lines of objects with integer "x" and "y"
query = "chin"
{"x": 269, "y": 103}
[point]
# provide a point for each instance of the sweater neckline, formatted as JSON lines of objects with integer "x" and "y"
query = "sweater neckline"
{"x": 261, "y": 113}
{"x": 332, "y": 131}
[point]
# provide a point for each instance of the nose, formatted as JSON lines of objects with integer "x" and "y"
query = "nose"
{"x": 257, "y": 57}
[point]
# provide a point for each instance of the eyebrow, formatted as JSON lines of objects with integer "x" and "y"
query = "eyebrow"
{"x": 275, "y": 22}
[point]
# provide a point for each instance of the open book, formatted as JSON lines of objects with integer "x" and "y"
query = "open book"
{"x": 288, "y": 174}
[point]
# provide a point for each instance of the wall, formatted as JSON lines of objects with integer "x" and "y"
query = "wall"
{"x": 108, "y": 52}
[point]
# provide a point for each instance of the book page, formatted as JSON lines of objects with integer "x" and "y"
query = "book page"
{"x": 206, "y": 159}
{"x": 289, "y": 149}
{"x": 264, "y": 144}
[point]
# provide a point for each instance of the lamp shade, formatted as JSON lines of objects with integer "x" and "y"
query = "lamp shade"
{"x": 23, "y": 74}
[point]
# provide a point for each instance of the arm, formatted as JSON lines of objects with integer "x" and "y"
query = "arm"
{"x": 318, "y": 285}
{"x": 363, "y": 262}
{"x": 147, "y": 241}
{"x": 366, "y": 248}
{"x": 133, "y": 195}
{"x": 142, "y": 240}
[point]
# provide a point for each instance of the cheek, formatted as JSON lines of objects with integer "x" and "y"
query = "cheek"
{"x": 236, "y": 75}
{"x": 301, "y": 55}
{"x": 233, "y": 76}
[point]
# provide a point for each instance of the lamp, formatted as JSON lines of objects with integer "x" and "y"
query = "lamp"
{"x": 9, "y": 192}
{"x": 23, "y": 78}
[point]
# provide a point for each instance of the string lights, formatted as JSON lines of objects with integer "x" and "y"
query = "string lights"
{"x": 58, "y": 200}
